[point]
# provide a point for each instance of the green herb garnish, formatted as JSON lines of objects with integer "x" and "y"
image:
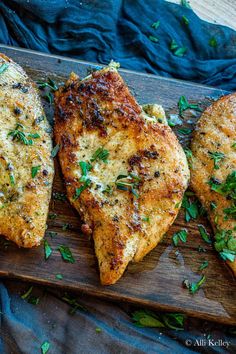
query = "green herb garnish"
{"x": 146, "y": 218}
{"x": 153, "y": 39}
{"x": 108, "y": 190}
{"x": 3, "y": 67}
{"x": 156, "y": 24}
{"x": 35, "y": 170}
{"x": 85, "y": 168}
{"x": 225, "y": 244}
{"x": 45, "y": 347}
{"x": 185, "y": 20}
{"x": 204, "y": 234}
{"x": 183, "y": 105}
{"x": 213, "y": 205}
{"x": 20, "y": 136}
{"x": 59, "y": 196}
{"x": 203, "y": 265}
{"x": 128, "y": 182}
{"x": 194, "y": 287}
{"x": 185, "y": 3}
{"x": 216, "y": 157}
{"x": 147, "y": 318}
{"x": 176, "y": 49}
{"x": 50, "y": 84}
{"x": 55, "y": 150}
{"x": 79, "y": 190}
{"x": 192, "y": 208}
{"x": 52, "y": 216}
{"x": 180, "y": 236}
{"x": 47, "y": 249}
{"x": 65, "y": 226}
{"x": 98, "y": 330}
{"x": 100, "y": 154}
{"x": 189, "y": 156}
{"x": 234, "y": 145}
{"x": 74, "y": 304}
{"x": 59, "y": 276}
{"x": 184, "y": 131}
{"x": 27, "y": 294}
{"x": 213, "y": 42}
{"x": 66, "y": 254}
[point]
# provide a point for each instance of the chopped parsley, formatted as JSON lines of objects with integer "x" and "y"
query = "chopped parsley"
{"x": 66, "y": 254}
{"x": 204, "y": 234}
{"x": 176, "y": 49}
{"x": 47, "y": 249}
{"x": 74, "y": 304}
{"x": 180, "y": 236}
{"x": 225, "y": 244}
{"x": 216, "y": 157}
{"x": 146, "y": 218}
{"x": 98, "y": 330}
{"x": 203, "y": 265}
{"x": 3, "y": 67}
{"x": 50, "y": 84}
{"x": 185, "y": 20}
{"x": 55, "y": 150}
{"x": 85, "y": 168}
{"x": 128, "y": 182}
{"x": 184, "y": 131}
{"x": 183, "y": 105}
{"x": 59, "y": 276}
{"x": 234, "y": 145}
{"x": 79, "y": 190}
{"x": 35, "y": 170}
{"x": 10, "y": 168}
{"x": 147, "y": 318}
{"x": 20, "y": 136}
{"x": 194, "y": 287}
{"x": 30, "y": 298}
{"x": 189, "y": 156}
{"x": 100, "y": 154}
{"x": 52, "y": 234}
{"x": 153, "y": 39}
{"x": 192, "y": 207}
{"x": 185, "y": 3}
{"x": 59, "y": 196}
{"x": 45, "y": 347}
{"x": 213, "y": 205}
{"x": 65, "y": 226}
{"x": 156, "y": 24}
{"x": 52, "y": 216}
{"x": 213, "y": 42}
{"x": 108, "y": 189}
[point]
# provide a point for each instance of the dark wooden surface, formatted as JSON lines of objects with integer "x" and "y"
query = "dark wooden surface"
{"x": 157, "y": 280}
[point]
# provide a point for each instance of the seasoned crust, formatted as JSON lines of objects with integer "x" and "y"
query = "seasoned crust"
{"x": 100, "y": 112}
{"x": 24, "y": 200}
{"x": 215, "y": 132}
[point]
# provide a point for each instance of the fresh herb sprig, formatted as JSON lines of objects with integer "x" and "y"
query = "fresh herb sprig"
{"x": 183, "y": 105}
{"x": 176, "y": 49}
{"x": 180, "y": 236}
{"x": 66, "y": 254}
{"x": 128, "y": 182}
{"x": 147, "y": 318}
{"x": 216, "y": 157}
{"x": 194, "y": 287}
{"x": 20, "y": 136}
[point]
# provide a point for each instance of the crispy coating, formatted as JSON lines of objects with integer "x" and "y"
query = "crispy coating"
{"x": 24, "y": 200}
{"x": 215, "y": 133}
{"x": 100, "y": 112}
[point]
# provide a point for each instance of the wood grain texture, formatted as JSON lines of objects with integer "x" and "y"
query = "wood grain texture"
{"x": 157, "y": 280}
{"x": 222, "y": 12}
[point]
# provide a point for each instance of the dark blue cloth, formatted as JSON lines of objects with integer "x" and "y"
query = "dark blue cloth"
{"x": 99, "y": 31}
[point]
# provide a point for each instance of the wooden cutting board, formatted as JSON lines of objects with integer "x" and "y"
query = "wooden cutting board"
{"x": 157, "y": 280}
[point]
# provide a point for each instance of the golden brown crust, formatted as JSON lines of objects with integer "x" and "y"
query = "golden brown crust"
{"x": 101, "y": 112}
{"x": 24, "y": 200}
{"x": 215, "y": 132}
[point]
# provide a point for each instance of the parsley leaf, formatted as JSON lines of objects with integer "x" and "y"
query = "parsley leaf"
{"x": 185, "y": 3}
{"x": 153, "y": 39}
{"x": 203, "y": 265}
{"x": 3, "y": 67}
{"x": 47, "y": 249}
{"x": 85, "y": 168}
{"x": 45, "y": 347}
{"x": 204, "y": 234}
{"x": 180, "y": 236}
{"x": 128, "y": 182}
{"x": 185, "y": 20}
{"x": 185, "y": 131}
{"x": 194, "y": 287}
{"x": 74, "y": 304}
{"x": 66, "y": 254}
{"x": 213, "y": 42}
{"x": 79, "y": 190}
{"x": 20, "y": 136}
{"x": 216, "y": 157}
{"x": 147, "y": 318}
{"x": 192, "y": 208}
{"x": 35, "y": 170}
{"x": 27, "y": 294}
{"x": 183, "y": 105}
{"x": 176, "y": 49}
{"x": 55, "y": 150}
{"x": 156, "y": 24}
{"x": 100, "y": 154}
{"x": 59, "y": 276}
